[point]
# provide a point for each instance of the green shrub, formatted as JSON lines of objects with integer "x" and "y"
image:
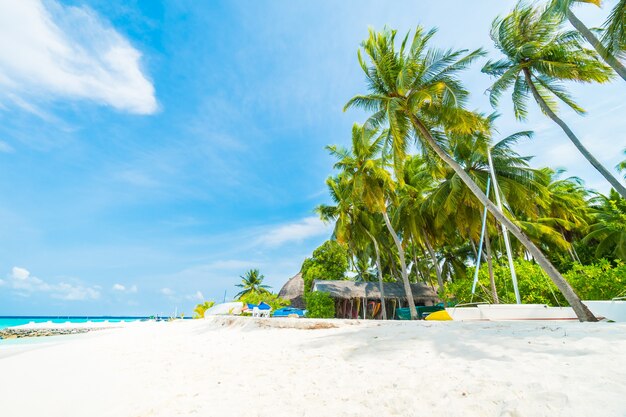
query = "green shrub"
{"x": 268, "y": 298}
{"x": 319, "y": 305}
{"x": 600, "y": 281}
{"x": 201, "y": 308}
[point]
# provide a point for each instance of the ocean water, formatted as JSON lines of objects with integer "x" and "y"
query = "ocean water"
{"x": 8, "y": 321}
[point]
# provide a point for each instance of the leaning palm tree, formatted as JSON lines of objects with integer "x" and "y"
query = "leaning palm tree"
{"x": 564, "y": 8}
{"x": 252, "y": 283}
{"x": 537, "y": 56}
{"x": 417, "y": 93}
{"x": 372, "y": 185}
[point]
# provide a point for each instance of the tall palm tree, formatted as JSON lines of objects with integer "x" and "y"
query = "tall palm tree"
{"x": 564, "y": 7}
{"x": 537, "y": 56}
{"x": 372, "y": 185}
{"x": 416, "y": 92}
{"x": 350, "y": 222}
{"x": 252, "y": 282}
{"x": 419, "y": 181}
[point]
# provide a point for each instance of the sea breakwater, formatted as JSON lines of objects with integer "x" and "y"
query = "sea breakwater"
{"x": 15, "y": 333}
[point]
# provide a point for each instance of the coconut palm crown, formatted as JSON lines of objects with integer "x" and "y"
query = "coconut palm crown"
{"x": 538, "y": 55}
{"x": 414, "y": 81}
{"x": 252, "y": 282}
{"x": 533, "y": 43}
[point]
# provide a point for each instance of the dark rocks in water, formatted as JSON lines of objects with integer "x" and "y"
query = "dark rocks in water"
{"x": 12, "y": 333}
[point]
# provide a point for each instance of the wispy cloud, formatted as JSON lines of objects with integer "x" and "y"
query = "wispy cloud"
{"x": 125, "y": 289}
{"x": 23, "y": 283}
{"x": 60, "y": 52}
{"x": 136, "y": 178}
{"x": 296, "y": 232}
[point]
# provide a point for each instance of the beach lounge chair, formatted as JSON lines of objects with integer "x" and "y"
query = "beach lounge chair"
{"x": 262, "y": 310}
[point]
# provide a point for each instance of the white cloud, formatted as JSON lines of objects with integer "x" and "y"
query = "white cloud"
{"x": 296, "y": 232}
{"x": 123, "y": 288}
{"x": 20, "y": 274}
{"x": 22, "y": 282}
{"x": 166, "y": 291}
{"x": 66, "y": 52}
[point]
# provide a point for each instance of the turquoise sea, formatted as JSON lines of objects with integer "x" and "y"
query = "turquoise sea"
{"x": 10, "y": 321}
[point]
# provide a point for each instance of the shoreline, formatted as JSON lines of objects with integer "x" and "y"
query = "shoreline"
{"x": 10, "y": 333}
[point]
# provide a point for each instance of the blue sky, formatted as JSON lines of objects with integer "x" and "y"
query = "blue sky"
{"x": 151, "y": 152}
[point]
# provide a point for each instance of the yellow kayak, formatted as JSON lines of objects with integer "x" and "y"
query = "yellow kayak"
{"x": 439, "y": 316}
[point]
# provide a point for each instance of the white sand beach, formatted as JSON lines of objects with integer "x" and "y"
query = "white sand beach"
{"x": 246, "y": 367}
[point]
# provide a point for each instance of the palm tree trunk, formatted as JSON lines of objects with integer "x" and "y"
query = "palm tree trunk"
{"x": 433, "y": 255}
{"x": 583, "y": 313}
{"x": 609, "y": 58}
{"x": 418, "y": 273}
{"x": 380, "y": 274}
{"x": 430, "y": 278}
{"x": 492, "y": 280}
{"x": 596, "y": 164}
{"x": 405, "y": 278}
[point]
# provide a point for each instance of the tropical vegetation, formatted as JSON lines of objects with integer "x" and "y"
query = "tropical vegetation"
{"x": 319, "y": 305}
{"x": 426, "y": 184}
{"x": 273, "y": 300}
{"x": 198, "y": 312}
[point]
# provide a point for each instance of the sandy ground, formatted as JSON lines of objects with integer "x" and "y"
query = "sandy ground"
{"x": 242, "y": 367}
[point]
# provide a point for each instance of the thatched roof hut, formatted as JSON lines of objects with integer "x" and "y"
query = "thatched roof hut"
{"x": 293, "y": 290}
{"x": 348, "y": 290}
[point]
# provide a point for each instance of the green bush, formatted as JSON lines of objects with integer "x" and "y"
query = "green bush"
{"x": 268, "y": 298}
{"x": 600, "y": 281}
{"x": 329, "y": 262}
{"x": 319, "y": 305}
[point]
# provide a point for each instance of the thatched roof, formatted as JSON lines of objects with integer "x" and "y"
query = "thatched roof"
{"x": 371, "y": 290}
{"x": 293, "y": 291}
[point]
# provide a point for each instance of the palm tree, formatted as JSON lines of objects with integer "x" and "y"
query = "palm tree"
{"x": 537, "y": 56}
{"x": 252, "y": 282}
{"x": 415, "y": 90}
{"x": 372, "y": 185}
{"x": 563, "y": 213}
{"x": 609, "y": 225}
{"x": 350, "y": 222}
{"x": 417, "y": 224}
{"x": 564, "y": 8}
